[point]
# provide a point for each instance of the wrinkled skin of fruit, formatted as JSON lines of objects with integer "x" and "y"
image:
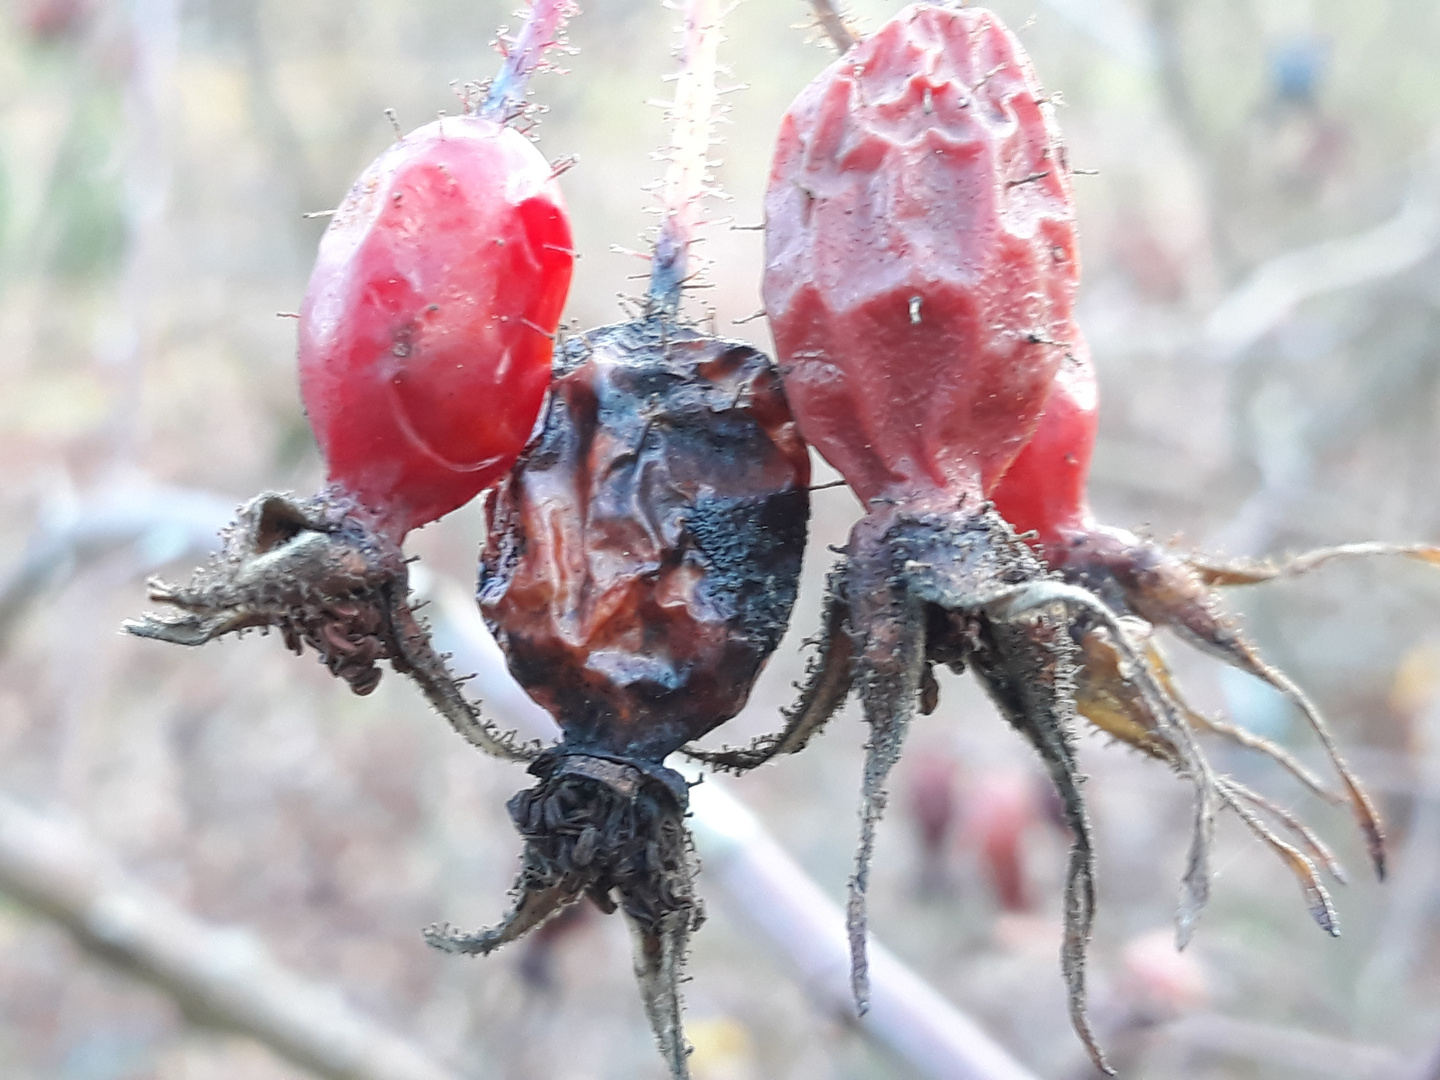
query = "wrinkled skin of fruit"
{"x": 640, "y": 568}
{"x": 921, "y": 263}
{"x": 642, "y": 563}
{"x": 426, "y": 332}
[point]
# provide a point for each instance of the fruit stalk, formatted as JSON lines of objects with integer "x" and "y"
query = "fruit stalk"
{"x": 525, "y": 55}
{"x": 830, "y": 20}
{"x": 686, "y": 178}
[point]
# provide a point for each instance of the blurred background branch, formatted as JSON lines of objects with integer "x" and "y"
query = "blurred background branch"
{"x": 222, "y": 978}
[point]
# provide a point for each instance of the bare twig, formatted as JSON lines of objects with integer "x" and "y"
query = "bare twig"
{"x": 219, "y": 977}
{"x": 1268, "y": 296}
{"x": 161, "y": 523}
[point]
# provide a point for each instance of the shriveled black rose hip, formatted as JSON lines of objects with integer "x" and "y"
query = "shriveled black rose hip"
{"x": 641, "y": 565}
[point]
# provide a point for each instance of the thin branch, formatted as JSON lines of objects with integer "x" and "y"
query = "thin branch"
{"x": 221, "y": 978}
{"x": 1268, "y": 296}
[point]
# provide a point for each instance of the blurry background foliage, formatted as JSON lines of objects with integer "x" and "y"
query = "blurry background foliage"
{"x": 156, "y": 158}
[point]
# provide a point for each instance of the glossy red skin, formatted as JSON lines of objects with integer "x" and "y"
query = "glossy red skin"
{"x": 425, "y": 337}
{"x": 1044, "y": 488}
{"x": 905, "y": 172}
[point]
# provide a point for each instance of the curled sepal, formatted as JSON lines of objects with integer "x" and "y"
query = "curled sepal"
{"x": 1317, "y": 899}
{"x": 1109, "y": 697}
{"x": 660, "y": 949}
{"x": 959, "y": 588}
{"x": 1028, "y": 672}
{"x": 1255, "y": 571}
{"x": 531, "y": 910}
{"x": 828, "y": 679}
{"x": 613, "y": 831}
{"x": 1236, "y": 734}
{"x": 1166, "y": 589}
{"x": 319, "y": 572}
{"x": 1215, "y": 636}
{"x": 891, "y": 663}
{"x": 1155, "y": 707}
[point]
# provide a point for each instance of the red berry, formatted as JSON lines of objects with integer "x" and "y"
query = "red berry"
{"x": 920, "y": 254}
{"x": 425, "y": 337}
{"x": 1044, "y": 490}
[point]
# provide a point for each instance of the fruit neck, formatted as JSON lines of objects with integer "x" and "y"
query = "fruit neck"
{"x": 910, "y": 500}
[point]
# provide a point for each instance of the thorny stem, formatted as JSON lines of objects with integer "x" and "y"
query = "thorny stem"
{"x": 544, "y": 24}
{"x": 833, "y": 23}
{"x": 685, "y": 183}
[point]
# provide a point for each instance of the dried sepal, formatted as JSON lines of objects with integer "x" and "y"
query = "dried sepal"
{"x": 935, "y": 586}
{"x": 659, "y": 953}
{"x": 886, "y": 628}
{"x": 1233, "y": 648}
{"x": 1028, "y": 673}
{"x": 1155, "y": 710}
{"x": 1109, "y": 698}
{"x": 315, "y": 570}
{"x": 1255, "y": 571}
{"x": 828, "y": 679}
{"x": 1316, "y": 897}
{"x": 1166, "y": 589}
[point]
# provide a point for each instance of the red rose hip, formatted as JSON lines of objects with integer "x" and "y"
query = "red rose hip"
{"x": 920, "y": 254}
{"x": 425, "y": 337}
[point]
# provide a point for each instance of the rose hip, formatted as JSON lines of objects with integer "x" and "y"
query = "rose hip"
{"x": 920, "y": 254}
{"x": 642, "y": 560}
{"x": 640, "y": 568}
{"x": 425, "y": 349}
{"x": 920, "y": 277}
{"x": 426, "y": 332}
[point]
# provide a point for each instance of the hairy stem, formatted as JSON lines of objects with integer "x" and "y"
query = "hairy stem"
{"x": 834, "y": 25}
{"x": 685, "y": 183}
{"x": 544, "y": 24}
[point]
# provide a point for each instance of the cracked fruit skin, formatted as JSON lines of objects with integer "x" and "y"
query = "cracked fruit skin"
{"x": 426, "y": 332}
{"x": 921, "y": 258}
